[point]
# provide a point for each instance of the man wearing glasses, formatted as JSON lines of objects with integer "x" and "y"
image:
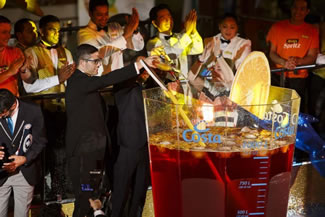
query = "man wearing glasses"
{"x": 87, "y": 134}
{"x": 22, "y": 140}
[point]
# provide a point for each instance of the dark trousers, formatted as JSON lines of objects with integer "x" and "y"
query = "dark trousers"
{"x": 131, "y": 180}
{"x": 83, "y": 181}
{"x": 55, "y": 162}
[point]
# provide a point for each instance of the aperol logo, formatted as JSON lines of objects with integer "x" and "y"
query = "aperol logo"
{"x": 200, "y": 133}
{"x": 286, "y": 123}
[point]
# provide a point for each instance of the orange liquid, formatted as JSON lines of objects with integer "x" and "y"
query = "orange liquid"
{"x": 220, "y": 184}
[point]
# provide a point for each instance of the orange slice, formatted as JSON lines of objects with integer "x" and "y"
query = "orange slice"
{"x": 251, "y": 84}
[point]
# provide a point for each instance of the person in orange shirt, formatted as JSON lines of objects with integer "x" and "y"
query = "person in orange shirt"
{"x": 293, "y": 42}
{"x": 11, "y": 59}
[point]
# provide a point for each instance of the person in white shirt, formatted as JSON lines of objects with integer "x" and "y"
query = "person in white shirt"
{"x": 227, "y": 44}
{"x": 175, "y": 47}
{"x": 95, "y": 33}
{"x": 221, "y": 57}
{"x": 49, "y": 64}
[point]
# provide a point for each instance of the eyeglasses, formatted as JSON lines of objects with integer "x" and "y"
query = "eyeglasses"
{"x": 96, "y": 61}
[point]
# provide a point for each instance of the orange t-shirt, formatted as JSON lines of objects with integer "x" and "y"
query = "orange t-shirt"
{"x": 293, "y": 40}
{"x": 7, "y": 56}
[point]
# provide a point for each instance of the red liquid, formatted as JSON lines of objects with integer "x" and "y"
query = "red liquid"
{"x": 220, "y": 184}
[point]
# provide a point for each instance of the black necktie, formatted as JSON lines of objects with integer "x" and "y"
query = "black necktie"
{"x": 105, "y": 28}
{"x": 224, "y": 41}
{"x": 167, "y": 37}
{"x": 50, "y": 47}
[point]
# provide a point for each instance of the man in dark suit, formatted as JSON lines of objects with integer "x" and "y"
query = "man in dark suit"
{"x": 131, "y": 170}
{"x": 22, "y": 140}
{"x": 87, "y": 134}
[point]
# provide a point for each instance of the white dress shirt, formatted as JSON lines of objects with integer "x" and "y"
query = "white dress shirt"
{"x": 45, "y": 83}
{"x": 179, "y": 44}
{"x": 14, "y": 115}
{"x": 100, "y": 39}
{"x": 230, "y": 50}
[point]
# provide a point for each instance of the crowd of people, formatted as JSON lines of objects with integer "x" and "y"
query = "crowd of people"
{"x": 78, "y": 130}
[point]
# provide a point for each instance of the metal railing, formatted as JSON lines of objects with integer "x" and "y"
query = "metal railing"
{"x": 283, "y": 70}
{"x": 109, "y": 89}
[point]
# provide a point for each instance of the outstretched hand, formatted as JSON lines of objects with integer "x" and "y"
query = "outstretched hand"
{"x": 132, "y": 24}
{"x": 190, "y": 22}
{"x": 151, "y": 61}
{"x": 65, "y": 72}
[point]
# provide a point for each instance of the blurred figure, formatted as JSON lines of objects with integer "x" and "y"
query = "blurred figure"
{"x": 317, "y": 87}
{"x": 95, "y": 33}
{"x": 293, "y": 42}
{"x": 25, "y": 33}
{"x": 128, "y": 160}
{"x": 30, "y": 5}
{"x": 131, "y": 169}
{"x": 22, "y": 138}
{"x": 11, "y": 60}
{"x": 26, "y": 36}
{"x": 317, "y": 95}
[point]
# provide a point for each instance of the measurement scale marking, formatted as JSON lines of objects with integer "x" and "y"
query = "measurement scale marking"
{"x": 259, "y": 184}
{"x": 257, "y": 213}
{"x": 258, "y": 158}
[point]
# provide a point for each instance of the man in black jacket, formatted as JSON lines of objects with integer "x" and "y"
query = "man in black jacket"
{"x": 131, "y": 169}
{"x": 22, "y": 139}
{"x": 87, "y": 134}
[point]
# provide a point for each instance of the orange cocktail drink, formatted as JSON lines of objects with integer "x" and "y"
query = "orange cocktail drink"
{"x": 235, "y": 161}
